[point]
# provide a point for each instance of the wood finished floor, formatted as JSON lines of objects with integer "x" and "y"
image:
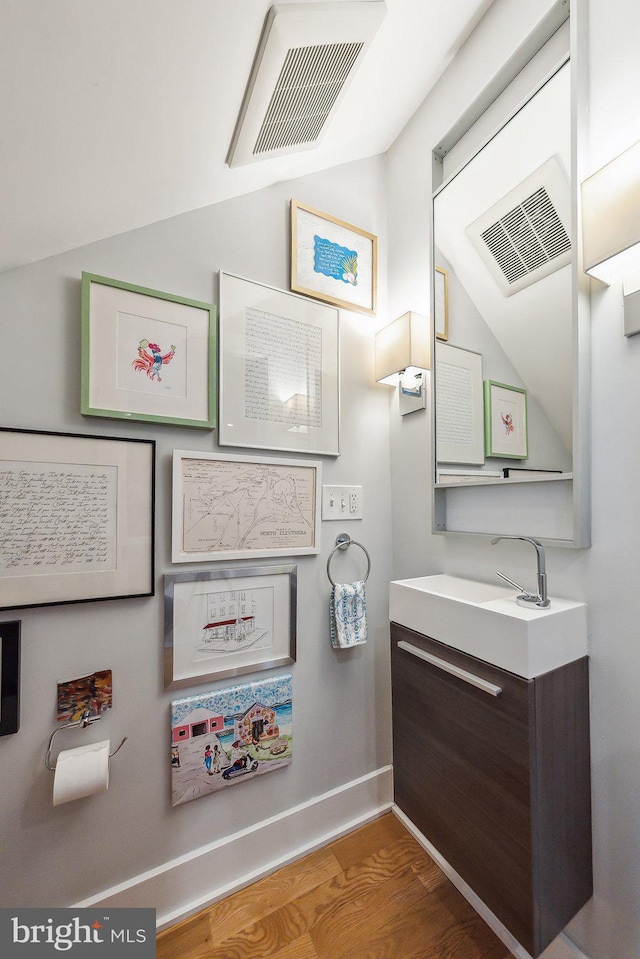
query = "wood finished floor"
{"x": 375, "y": 894}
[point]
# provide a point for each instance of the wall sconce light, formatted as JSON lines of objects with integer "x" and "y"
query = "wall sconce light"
{"x": 298, "y": 411}
{"x": 403, "y": 354}
{"x": 611, "y": 229}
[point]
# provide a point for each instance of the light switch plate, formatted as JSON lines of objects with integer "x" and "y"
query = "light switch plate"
{"x": 342, "y": 502}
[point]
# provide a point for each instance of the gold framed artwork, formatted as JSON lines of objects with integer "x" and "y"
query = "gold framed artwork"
{"x": 333, "y": 260}
{"x": 441, "y": 303}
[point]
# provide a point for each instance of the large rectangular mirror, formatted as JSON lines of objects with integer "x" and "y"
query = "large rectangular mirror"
{"x": 508, "y": 358}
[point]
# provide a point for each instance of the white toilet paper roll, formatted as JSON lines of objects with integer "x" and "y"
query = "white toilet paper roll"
{"x": 81, "y": 772}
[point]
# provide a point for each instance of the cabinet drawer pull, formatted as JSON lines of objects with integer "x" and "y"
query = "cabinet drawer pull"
{"x": 450, "y": 668}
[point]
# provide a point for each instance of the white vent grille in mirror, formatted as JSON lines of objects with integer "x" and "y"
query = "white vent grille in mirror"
{"x": 309, "y": 84}
{"x": 525, "y": 235}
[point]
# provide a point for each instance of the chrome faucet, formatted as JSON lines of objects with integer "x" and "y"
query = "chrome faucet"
{"x": 528, "y": 599}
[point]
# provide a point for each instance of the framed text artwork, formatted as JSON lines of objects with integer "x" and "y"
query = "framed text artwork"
{"x": 333, "y": 260}
{"x": 9, "y": 678}
{"x": 505, "y": 412}
{"x": 459, "y": 406}
{"x": 147, "y": 355}
{"x": 76, "y": 518}
{"x": 279, "y": 369}
{"x": 243, "y": 507}
{"x": 224, "y": 622}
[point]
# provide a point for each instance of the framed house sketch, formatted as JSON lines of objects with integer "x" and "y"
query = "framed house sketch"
{"x": 225, "y": 622}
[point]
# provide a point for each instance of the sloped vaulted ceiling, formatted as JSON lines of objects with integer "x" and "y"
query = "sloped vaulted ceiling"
{"x": 117, "y": 114}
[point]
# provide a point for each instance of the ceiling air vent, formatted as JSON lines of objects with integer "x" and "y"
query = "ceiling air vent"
{"x": 306, "y": 58}
{"x": 525, "y": 236}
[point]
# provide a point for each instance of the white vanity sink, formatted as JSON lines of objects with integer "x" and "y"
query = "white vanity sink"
{"x": 484, "y": 620}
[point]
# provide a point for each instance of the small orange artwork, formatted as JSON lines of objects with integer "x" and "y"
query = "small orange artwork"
{"x": 88, "y": 696}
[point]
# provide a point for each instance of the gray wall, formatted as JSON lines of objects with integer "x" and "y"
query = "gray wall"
{"x": 60, "y": 855}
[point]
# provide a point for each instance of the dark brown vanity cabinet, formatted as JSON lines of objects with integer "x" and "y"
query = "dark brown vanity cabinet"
{"x": 496, "y": 776}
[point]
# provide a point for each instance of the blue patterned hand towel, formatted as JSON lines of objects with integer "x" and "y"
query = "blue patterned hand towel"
{"x": 348, "y": 611}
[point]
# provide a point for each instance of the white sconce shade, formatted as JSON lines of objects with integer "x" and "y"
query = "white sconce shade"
{"x": 402, "y": 344}
{"x": 299, "y": 410}
{"x": 611, "y": 218}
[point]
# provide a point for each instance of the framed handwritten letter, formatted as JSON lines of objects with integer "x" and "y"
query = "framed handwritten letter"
{"x": 279, "y": 369}
{"x": 224, "y": 622}
{"x": 242, "y": 507}
{"x": 333, "y": 260}
{"x": 147, "y": 355}
{"x": 76, "y": 518}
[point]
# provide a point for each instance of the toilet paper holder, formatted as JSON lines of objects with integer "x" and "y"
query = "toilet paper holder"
{"x": 86, "y": 720}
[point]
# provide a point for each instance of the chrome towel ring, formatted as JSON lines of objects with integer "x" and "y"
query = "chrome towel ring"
{"x": 344, "y": 541}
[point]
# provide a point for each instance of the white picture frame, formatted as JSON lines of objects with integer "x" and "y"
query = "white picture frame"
{"x": 279, "y": 369}
{"x": 229, "y": 507}
{"x": 459, "y": 406}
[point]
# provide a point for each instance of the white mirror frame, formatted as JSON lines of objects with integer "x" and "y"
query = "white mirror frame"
{"x": 566, "y": 517}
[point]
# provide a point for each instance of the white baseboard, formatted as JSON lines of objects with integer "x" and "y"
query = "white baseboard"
{"x": 561, "y": 948}
{"x": 182, "y": 886}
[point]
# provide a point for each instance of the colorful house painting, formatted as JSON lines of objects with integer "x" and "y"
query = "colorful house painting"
{"x": 230, "y": 735}
{"x": 258, "y": 724}
{"x": 200, "y": 722}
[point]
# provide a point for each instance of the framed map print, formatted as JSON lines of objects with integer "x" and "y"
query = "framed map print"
{"x": 243, "y": 507}
{"x": 224, "y": 622}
